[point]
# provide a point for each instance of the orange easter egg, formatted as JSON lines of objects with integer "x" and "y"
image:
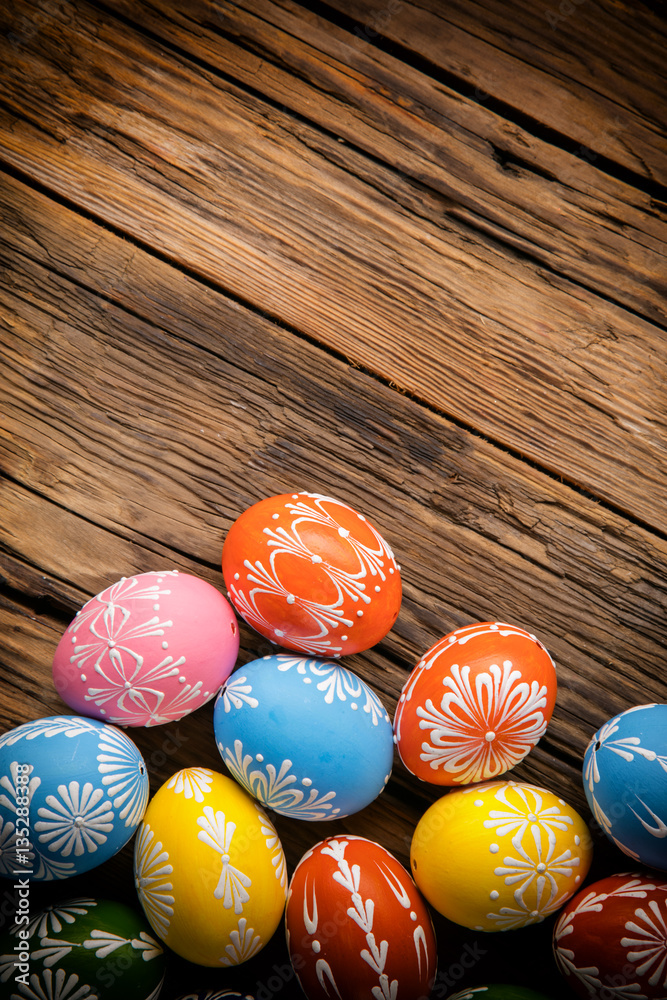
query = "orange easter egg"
{"x": 311, "y": 574}
{"x": 476, "y": 703}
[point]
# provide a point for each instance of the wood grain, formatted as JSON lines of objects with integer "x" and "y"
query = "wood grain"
{"x": 592, "y": 71}
{"x": 127, "y": 368}
{"x": 253, "y": 247}
{"x": 109, "y": 349}
{"x": 466, "y": 164}
{"x": 133, "y": 150}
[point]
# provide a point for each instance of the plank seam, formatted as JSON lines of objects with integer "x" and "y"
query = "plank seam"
{"x": 505, "y": 159}
{"x": 250, "y": 307}
{"x": 649, "y": 186}
{"x": 134, "y": 539}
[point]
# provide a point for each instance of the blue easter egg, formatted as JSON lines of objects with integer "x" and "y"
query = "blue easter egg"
{"x": 625, "y": 780}
{"x": 307, "y": 737}
{"x": 72, "y": 792}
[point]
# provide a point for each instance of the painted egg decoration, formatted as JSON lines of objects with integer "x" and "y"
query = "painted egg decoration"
{"x": 476, "y": 703}
{"x": 498, "y": 991}
{"x": 625, "y": 780}
{"x": 611, "y": 938}
{"x": 356, "y": 925}
{"x": 311, "y": 574}
{"x": 306, "y": 737}
{"x": 72, "y": 793}
{"x": 499, "y": 855}
{"x": 148, "y": 650}
{"x": 209, "y": 869}
{"x": 83, "y": 948}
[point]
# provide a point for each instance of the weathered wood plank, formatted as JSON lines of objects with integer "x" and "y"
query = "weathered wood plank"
{"x": 591, "y": 71}
{"x": 516, "y": 187}
{"x": 374, "y": 444}
{"x": 107, "y": 360}
{"x": 539, "y": 364}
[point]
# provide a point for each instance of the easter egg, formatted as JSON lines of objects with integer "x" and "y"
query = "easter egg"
{"x": 311, "y": 574}
{"x": 625, "y": 780}
{"x": 72, "y": 793}
{"x": 209, "y": 869}
{"x": 476, "y": 703}
{"x": 611, "y": 938}
{"x": 499, "y": 855}
{"x": 498, "y": 991}
{"x": 356, "y": 925}
{"x": 306, "y": 737}
{"x": 83, "y": 948}
{"x": 148, "y": 650}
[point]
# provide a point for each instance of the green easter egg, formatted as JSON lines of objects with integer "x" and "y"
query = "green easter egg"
{"x": 90, "y": 949}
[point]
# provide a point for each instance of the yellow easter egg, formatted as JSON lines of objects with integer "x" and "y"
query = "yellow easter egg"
{"x": 499, "y": 855}
{"x": 209, "y": 869}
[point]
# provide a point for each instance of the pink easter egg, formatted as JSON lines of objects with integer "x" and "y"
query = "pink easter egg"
{"x": 148, "y": 650}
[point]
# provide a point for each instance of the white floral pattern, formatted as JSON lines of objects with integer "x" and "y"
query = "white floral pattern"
{"x": 274, "y": 787}
{"x": 236, "y": 692}
{"x": 147, "y": 945}
{"x": 483, "y": 726}
{"x": 104, "y": 635}
{"x": 362, "y": 912}
{"x": 533, "y": 868}
{"x": 152, "y": 869}
{"x": 78, "y": 821}
{"x": 57, "y": 725}
{"x": 336, "y": 682}
{"x": 104, "y": 943}
{"x": 47, "y": 869}
{"x": 7, "y": 967}
{"x": 10, "y": 783}
{"x": 53, "y": 950}
{"x": 371, "y": 563}
{"x": 124, "y": 774}
{"x": 648, "y": 944}
{"x": 192, "y": 782}
{"x": 243, "y": 944}
{"x": 275, "y": 848}
{"x": 52, "y": 919}
{"x": 626, "y": 748}
{"x": 233, "y": 884}
{"x": 11, "y": 857}
{"x": 56, "y": 985}
{"x": 8, "y": 861}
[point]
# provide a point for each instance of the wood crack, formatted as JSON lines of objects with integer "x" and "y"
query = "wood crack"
{"x": 505, "y": 110}
{"x": 416, "y": 397}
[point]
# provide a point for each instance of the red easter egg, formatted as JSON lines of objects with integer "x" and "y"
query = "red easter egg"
{"x": 311, "y": 574}
{"x": 611, "y": 938}
{"x": 356, "y": 924}
{"x": 476, "y": 703}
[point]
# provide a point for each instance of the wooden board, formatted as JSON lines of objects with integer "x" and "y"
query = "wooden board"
{"x": 516, "y": 546}
{"x": 588, "y": 73}
{"x": 207, "y": 298}
{"x": 516, "y": 340}
{"x": 508, "y": 182}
